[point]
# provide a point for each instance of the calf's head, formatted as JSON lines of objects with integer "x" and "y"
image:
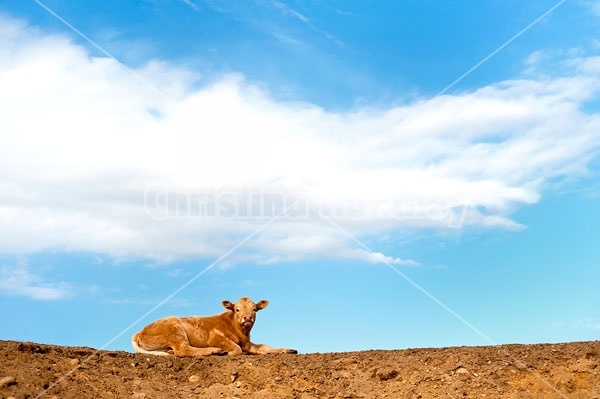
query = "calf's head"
{"x": 244, "y": 311}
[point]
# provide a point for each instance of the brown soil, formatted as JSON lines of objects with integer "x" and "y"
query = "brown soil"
{"x": 570, "y": 370}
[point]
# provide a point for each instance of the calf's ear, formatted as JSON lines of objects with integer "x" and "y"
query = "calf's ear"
{"x": 228, "y": 305}
{"x": 262, "y": 304}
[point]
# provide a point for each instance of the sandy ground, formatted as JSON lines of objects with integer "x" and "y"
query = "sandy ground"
{"x": 569, "y": 370}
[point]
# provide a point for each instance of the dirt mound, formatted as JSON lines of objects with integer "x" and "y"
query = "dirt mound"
{"x": 570, "y": 370}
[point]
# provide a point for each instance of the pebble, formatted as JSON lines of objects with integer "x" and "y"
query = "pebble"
{"x": 74, "y": 362}
{"x": 461, "y": 370}
{"x": 7, "y": 381}
{"x": 194, "y": 378}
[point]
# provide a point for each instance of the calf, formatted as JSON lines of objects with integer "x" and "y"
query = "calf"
{"x": 224, "y": 333}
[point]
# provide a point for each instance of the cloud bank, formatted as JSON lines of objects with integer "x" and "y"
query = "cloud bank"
{"x": 93, "y": 160}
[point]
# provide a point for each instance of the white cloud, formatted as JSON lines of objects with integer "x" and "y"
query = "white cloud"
{"x": 593, "y": 5}
{"x": 193, "y": 5}
{"x": 589, "y": 65}
{"x": 84, "y": 144}
{"x": 589, "y": 323}
{"x": 20, "y": 281}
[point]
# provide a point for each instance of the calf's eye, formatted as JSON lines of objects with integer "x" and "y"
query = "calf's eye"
{"x": 237, "y": 310}
{"x": 254, "y": 309}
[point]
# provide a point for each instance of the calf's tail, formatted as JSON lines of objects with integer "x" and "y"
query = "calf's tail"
{"x": 138, "y": 349}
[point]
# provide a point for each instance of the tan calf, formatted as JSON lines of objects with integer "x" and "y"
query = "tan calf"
{"x": 225, "y": 333}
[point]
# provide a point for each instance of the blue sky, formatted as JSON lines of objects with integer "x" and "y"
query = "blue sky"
{"x": 408, "y": 218}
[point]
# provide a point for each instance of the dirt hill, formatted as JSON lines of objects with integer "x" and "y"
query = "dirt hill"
{"x": 570, "y": 370}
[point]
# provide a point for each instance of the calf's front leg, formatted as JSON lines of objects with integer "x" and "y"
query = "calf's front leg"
{"x": 227, "y": 345}
{"x": 261, "y": 349}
